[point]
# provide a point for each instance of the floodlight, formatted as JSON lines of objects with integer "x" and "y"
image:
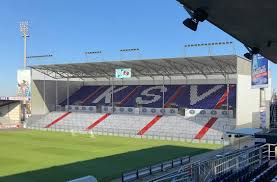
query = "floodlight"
{"x": 24, "y": 28}
{"x": 199, "y": 15}
{"x": 191, "y": 23}
{"x": 248, "y": 55}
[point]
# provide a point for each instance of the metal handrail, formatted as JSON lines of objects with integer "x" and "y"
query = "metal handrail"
{"x": 235, "y": 161}
{"x": 149, "y": 170}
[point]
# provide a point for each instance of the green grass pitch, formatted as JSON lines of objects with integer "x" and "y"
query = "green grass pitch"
{"x": 38, "y": 156}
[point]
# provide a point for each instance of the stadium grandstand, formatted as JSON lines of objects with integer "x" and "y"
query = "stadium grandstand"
{"x": 182, "y": 119}
{"x": 193, "y": 119}
{"x": 193, "y": 99}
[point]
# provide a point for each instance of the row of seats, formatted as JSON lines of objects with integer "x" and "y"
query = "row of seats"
{"x": 242, "y": 175}
{"x": 235, "y": 176}
{"x": 118, "y": 123}
{"x": 39, "y": 121}
{"x": 265, "y": 173}
{"x": 254, "y": 172}
{"x": 187, "y": 127}
{"x": 221, "y": 177}
{"x": 77, "y": 121}
{"x": 188, "y": 96}
{"x": 274, "y": 179}
{"x": 168, "y": 126}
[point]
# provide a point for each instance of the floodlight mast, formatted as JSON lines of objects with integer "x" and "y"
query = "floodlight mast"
{"x": 24, "y": 29}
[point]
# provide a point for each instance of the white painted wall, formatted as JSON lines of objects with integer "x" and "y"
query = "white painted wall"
{"x": 11, "y": 112}
{"x": 248, "y": 99}
{"x": 248, "y": 102}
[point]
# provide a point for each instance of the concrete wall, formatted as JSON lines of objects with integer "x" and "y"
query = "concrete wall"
{"x": 10, "y": 113}
{"x": 43, "y": 106}
{"x": 249, "y": 101}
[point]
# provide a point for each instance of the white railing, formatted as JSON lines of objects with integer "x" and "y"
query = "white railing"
{"x": 206, "y": 170}
{"x": 119, "y": 110}
{"x": 120, "y": 132}
{"x": 153, "y": 169}
{"x": 218, "y": 113}
{"x": 77, "y": 108}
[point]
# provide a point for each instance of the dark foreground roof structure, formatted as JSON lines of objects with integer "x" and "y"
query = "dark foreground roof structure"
{"x": 252, "y": 22}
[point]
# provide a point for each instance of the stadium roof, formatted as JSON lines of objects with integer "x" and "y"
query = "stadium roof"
{"x": 244, "y": 131}
{"x": 253, "y": 22}
{"x": 207, "y": 65}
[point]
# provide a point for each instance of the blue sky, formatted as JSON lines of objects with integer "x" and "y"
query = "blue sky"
{"x": 67, "y": 28}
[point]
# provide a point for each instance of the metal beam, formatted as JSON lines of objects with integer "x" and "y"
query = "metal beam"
{"x": 171, "y": 63}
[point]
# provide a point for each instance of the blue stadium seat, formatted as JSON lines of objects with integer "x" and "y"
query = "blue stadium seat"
{"x": 191, "y": 96}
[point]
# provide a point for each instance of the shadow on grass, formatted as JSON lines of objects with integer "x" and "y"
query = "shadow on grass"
{"x": 105, "y": 168}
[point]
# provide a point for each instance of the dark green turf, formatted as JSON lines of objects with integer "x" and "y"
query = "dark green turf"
{"x": 35, "y": 156}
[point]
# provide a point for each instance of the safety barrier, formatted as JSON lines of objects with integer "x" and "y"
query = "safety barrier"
{"x": 8, "y": 126}
{"x": 153, "y": 169}
{"x": 76, "y": 108}
{"x": 218, "y": 113}
{"x": 120, "y": 110}
{"x": 142, "y": 110}
{"x": 220, "y": 165}
{"x": 159, "y": 111}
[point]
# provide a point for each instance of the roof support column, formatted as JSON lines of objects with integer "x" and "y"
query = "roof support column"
{"x": 228, "y": 91}
{"x": 44, "y": 95}
{"x": 112, "y": 95}
{"x": 67, "y": 92}
{"x": 163, "y": 92}
{"x": 227, "y": 108}
{"x": 56, "y": 90}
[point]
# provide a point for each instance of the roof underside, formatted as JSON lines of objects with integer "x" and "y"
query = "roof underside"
{"x": 244, "y": 131}
{"x": 253, "y": 22}
{"x": 208, "y": 65}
